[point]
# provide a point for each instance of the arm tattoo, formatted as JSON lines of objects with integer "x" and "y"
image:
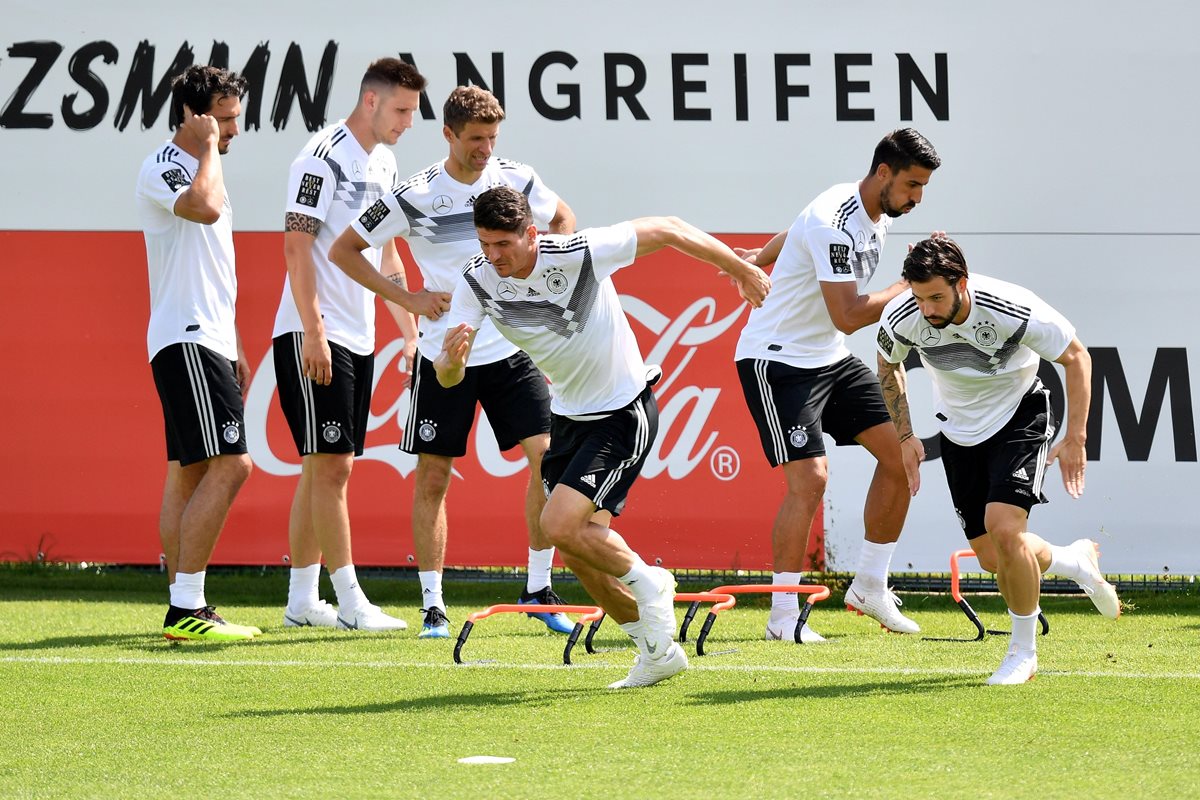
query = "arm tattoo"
{"x": 302, "y": 223}
{"x": 893, "y": 382}
{"x": 399, "y": 279}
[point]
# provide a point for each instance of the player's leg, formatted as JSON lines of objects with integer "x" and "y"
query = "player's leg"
{"x": 177, "y": 491}
{"x": 1019, "y": 577}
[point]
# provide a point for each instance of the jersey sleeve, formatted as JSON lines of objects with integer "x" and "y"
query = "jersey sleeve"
{"x": 311, "y": 187}
{"x": 163, "y": 182}
{"x": 542, "y": 201}
{"x": 830, "y": 249}
{"x": 890, "y": 346}
{"x": 464, "y": 306}
{"x": 382, "y": 221}
{"x": 612, "y": 248}
{"x": 1049, "y": 332}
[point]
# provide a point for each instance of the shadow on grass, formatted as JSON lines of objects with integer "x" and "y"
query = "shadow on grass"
{"x": 901, "y": 685}
{"x": 485, "y": 699}
{"x": 155, "y": 643}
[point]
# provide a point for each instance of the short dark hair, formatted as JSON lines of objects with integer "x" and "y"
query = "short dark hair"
{"x": 196, "y": 86}
{"x": 902, "y": 148}
{"x": 931, "y": 258}
{"x": 471, "y": 104}
{"x": 503, "y": 209}
{"x": 392, "y": 72}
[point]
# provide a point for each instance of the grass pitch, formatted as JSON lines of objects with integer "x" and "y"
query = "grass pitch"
{"x": 96, "y": 704}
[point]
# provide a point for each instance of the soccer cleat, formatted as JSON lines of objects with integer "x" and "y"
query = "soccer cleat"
{"x": 785, "y": 631}
{"x": 880, "y": 604}
{"x": 1018, "y": 666}
{"x": 322, "y": 615}
{"x": 658, "y": 614}
{"x": 204, "y": 624}
{"x": 1102, "y": 593}
{"x": 649, "y": 671}
{"x": 559, "y": 623}
{"x": 369, "y": 618}
{"x": 436, "y": 625}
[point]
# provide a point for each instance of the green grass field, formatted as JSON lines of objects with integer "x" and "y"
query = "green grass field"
{"x": 96, "y": 704}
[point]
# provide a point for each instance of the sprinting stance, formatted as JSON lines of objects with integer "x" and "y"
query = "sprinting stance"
{"x": 196, "y": 355}
{"x": 800, "y": 380}
{"x": 432, "y": 211}
{"x": 553, "y": 297}
{"x": 980, "y": 340}
{"x": 324, "y": 346}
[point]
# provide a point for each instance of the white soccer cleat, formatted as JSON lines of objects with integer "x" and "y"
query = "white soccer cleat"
{"x": 370, "y": 618}
{"x": 785, "y": 631}
{"x": 1102, "y": 593}
{"x": 322, "y": 615}
{"x": 1019, "y": 666}
{"x": 881, "y": 604}
{"x": 648, "y": 671}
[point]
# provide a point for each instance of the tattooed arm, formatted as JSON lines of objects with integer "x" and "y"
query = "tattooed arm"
{"x": 893, "y": 382}
{"x": 392, "y": 268}
{"x": 299, "y": 237}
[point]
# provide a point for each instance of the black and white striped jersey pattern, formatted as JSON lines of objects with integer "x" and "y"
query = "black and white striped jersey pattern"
{"x": 953, "y": 351}
{"x": 436, "y": 228}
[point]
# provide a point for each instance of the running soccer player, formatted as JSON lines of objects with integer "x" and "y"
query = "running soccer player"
{"x": 980, "y": 340}
{"x": 195, "y": 352}
{"x": 324, "y": 339}
{"x": 553, "y": 297}
{"x": 432, "y": 211}
{"x": 801, "y": 381}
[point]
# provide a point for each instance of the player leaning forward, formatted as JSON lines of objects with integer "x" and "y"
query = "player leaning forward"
{"x": 979, "y": 339}
{"x": 553, "y": 297}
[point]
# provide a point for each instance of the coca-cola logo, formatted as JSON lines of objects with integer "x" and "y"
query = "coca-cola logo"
{"x": 687, "y": 433}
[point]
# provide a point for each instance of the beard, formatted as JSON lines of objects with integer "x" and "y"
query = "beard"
{"x": 954, "y": 309}
{"x": 888, "y": 208}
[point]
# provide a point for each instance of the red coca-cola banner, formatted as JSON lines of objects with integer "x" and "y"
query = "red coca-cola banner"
{"x": 82, "y": 474}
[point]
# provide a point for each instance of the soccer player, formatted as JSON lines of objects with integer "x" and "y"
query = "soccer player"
{"x": 800, "y": 380}
{"x": 432, "y": 211}
{"x": 553, "y": 297}
{"x": 980, "y": 340}
{"x": 324, "y": 344}
{"x": 195, "y": 352}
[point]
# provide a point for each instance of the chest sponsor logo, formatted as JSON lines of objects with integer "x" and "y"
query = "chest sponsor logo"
{"x": 175, "y": 179}
{"x": 374, "y": 215}
{"x": 506, "y": 291}
{"x": 310, "y": 190}
{"x": 930, "y": 336}
{"x": 839, "y": 258}
{"x": 442, "y": 204}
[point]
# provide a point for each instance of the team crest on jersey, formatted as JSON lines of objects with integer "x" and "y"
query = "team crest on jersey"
{"x": 839, "y": 258}
{"x": 310, "y": 190}
{"x": 798, "y": 437}
{"x": 885, "y": 342}
{"x": 374, "y": 215}
{"x": 175, "y": 179}
{"x": 506, "y": 291}
{"x": 556, "y": 281}
{"x": 332, "y": 432}
{"x": 985, "y": 333}
{"x": 427, "y": 431}
{"x": 232, "y": 432}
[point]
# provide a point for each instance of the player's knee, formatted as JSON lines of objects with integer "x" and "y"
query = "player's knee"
{"x": 233, "y": 470}
{"x": 807, "y": 478}
{"x": 432, "y": 478}
{"x": 559, "y": 529}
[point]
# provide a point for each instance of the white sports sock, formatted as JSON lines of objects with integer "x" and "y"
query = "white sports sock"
{"x": 1024, "y": 630}
{"x": 1065, "y": 561}
{"x": 641, "y": 581}
{"x": 302, "y": 588}
{"x": 784, "y": 604}
{"x": 431, "y": 590}
{"x": 188, "y": 590}
{"x": 349, "y": 596}
{"x": 540, "y": 562}
{"x": 634, "y": 629}
{"x": 874, "y": 561}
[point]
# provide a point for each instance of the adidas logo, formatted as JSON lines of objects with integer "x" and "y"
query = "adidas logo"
{"x": 533, "y": 292}
{"x": 590, "y": 480}
{"x": 1021, "y": 473}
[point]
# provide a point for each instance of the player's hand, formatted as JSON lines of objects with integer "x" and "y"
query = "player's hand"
{"x": 912, "y": 450}
{"x": 202, "y": 126}
{"x": 428, "y": 304}
{"x": 456, "y": 346}
{"x": 750, "y": 256}
{"x": 242, "y": 373}
{"x": 1072, "y": 461}
{"x": 754, "y": 286}
{"x": 934, "y": 235}
{"x": 316, "y": 359}
{"x": 408, "y": 360}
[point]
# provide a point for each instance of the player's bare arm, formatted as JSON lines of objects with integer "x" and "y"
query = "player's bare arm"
{"x": 393, "y": 269}
{"x": 768, "y": 254}
{"x": 893, "y": 382}
{"x": 1071, "y": 451}
{"x": 851, "y": 311}
{"x": 451, "y": 363}
{"x": 563, "y": 220}
{"x": 299, "y": 238}
{"x": 655, "y": 233}
{"x": 347, "y": 253}
{"x": 203, "y": 200}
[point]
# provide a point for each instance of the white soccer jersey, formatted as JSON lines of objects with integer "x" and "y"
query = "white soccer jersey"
{"x": 193, "y": 284}
{"x": 435, "y": 214}
{"x": 833, "y": 240}
{"x": 982, "y": 368}
{"x": 332, "y": 180}
{"x": 566, "y": 316}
